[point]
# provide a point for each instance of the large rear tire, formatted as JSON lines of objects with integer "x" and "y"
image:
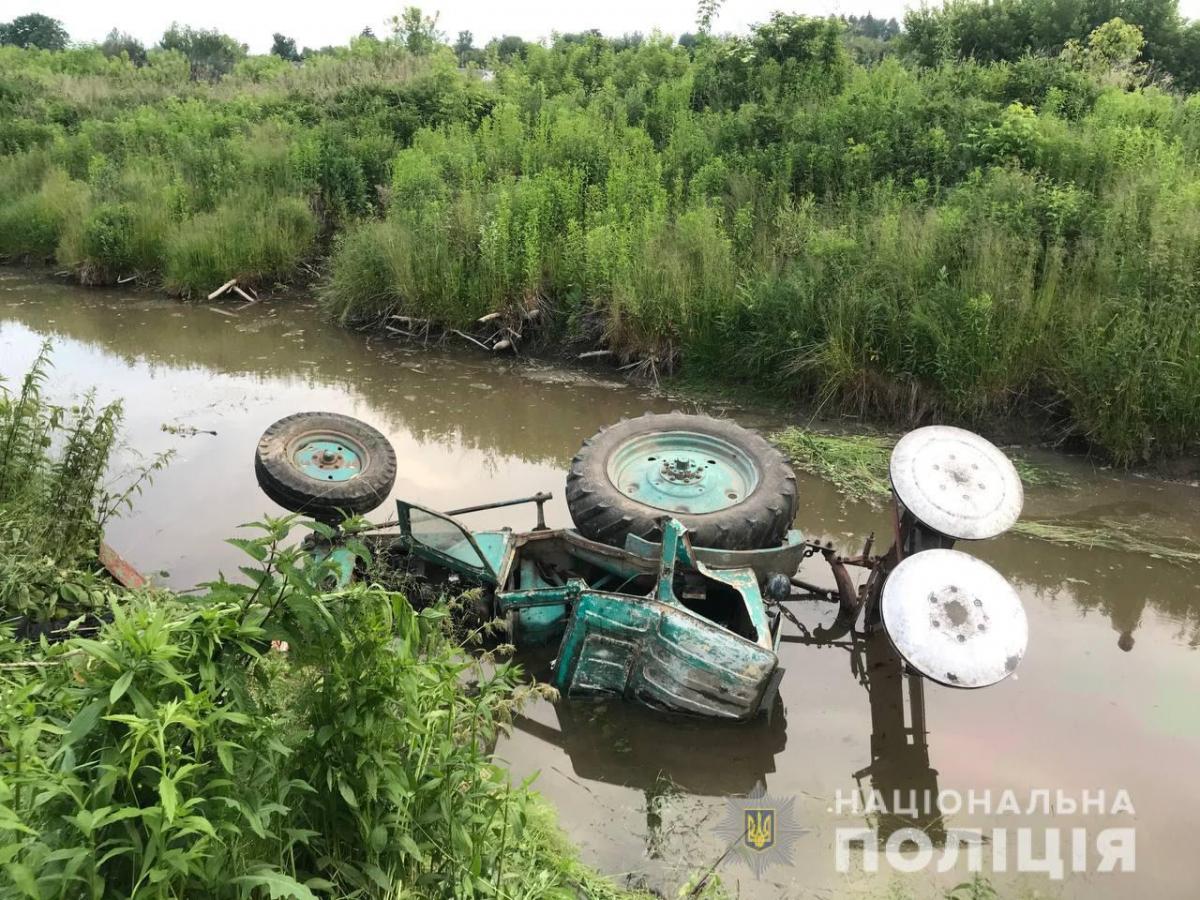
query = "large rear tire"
{"x": 729, "y": 487}
{"x": 325, "y": 464}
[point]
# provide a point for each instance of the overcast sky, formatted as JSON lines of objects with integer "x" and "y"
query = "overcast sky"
{"x": 316, "y": 24}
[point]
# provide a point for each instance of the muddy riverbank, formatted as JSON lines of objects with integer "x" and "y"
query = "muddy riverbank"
{"x": 1103, "y": 701}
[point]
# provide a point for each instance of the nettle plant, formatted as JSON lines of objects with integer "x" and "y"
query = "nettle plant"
{"x": 177, "y": 755}
{"x": 56, "y": 496}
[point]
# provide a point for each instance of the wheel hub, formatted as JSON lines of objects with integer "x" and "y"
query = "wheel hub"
{"x": 683, "y": 472}
{"x": 328, "y": 458}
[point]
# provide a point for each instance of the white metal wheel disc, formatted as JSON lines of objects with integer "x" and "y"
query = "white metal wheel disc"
{"x": 956, "y": 482}
{"x": 954, "y": 618}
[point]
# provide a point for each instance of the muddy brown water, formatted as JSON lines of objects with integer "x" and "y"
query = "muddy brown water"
{"x": 647, "y": 798}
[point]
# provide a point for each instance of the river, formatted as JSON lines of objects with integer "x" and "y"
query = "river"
{"x": 646, "y": 799}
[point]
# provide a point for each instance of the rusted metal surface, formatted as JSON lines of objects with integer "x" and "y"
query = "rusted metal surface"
{"x": 120, "y": 569}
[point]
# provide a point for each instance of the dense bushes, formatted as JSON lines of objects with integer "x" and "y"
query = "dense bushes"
{"x": 949, "y": 239}
{"x": 116, "y": 169}
{"x": 175, "y": 755}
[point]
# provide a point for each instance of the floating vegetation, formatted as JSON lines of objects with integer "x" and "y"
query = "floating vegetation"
{"x": 1108, "y": 534}
{"x": 857, "y": 465}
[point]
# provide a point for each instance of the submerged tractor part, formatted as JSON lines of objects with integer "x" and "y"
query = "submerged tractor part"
{"x": 325, "y": 465}
{"x": 729, "y": 487}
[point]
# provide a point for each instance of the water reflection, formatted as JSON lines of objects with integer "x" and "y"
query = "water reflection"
{"x": 445, "y": 394}
{"x": 900, "y": 765}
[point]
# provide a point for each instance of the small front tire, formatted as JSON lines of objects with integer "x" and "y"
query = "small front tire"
{"x": 325, "y": 465}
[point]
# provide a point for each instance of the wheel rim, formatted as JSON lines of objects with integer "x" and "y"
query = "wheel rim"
{"x": 327, "y": 457}
{"x": 683, "y": 472}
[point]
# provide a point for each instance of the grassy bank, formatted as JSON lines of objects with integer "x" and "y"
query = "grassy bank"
{"x": 903, "y": 233}
{"x": 160, "y": 748}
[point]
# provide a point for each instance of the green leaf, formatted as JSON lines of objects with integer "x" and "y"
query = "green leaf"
{"x": 169, "y": 796}
{"x": 256, "y": 549}
{"x": 279, "y": 886}
{"x": 347, "y": 792}
{"x": 225, "y": 755}
{"x": 22, "y": 877}
{"x": 120, "y": 686}
{"x": 377, "y": 875}
{"x": 83, "y": 723}
{"x": 378, "y": 838}
{"x": 410, "y": 847}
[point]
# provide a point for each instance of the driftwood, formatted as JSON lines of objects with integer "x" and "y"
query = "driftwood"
{"x": 237, "y": 290}
{"x": 490, "y": 317}
{"x": 222, "y": 289}
{"x": 502, "y": 345}
{"x": 592, "y": 354}
{"x": 479, "y": 344}
{"x": 126, "y": 279}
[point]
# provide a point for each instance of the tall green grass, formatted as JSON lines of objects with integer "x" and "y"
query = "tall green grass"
{"x": 255, "y": 238}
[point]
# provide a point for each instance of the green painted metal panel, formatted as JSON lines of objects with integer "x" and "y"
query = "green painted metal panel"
{"x": 660, "y": 655}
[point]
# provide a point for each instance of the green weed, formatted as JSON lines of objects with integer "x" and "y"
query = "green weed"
{"x": 57, "y": 492}
{"x": 857, "y": 465}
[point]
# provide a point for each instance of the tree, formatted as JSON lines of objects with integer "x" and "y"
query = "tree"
{"x": 706, "y": 11}
{"x": 417, "y": 31}
{"x": 284, "y": 47}
{"x": 463, "y": 47}
{"x": 34, "y": 30}
{"x": 991, "y": 30}
{"x": 508, "y": 46}
{"x": 209, "y": 53}
{"x": 1116, "y": 43}
{"x": 118, "y": 42}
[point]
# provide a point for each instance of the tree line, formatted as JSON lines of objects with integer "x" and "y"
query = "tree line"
{"x": 983, "y": 30}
